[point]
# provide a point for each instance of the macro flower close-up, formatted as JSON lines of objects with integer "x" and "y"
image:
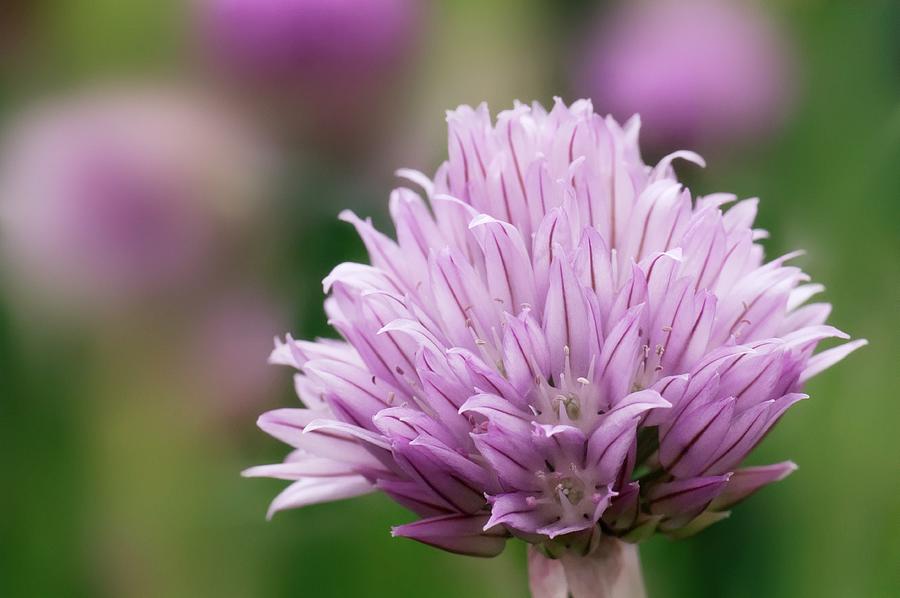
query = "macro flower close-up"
{"x": 449, "y": 298}
{"x": 563, "y": 345}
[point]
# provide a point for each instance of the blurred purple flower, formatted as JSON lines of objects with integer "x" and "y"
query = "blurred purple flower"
{"x": 320, "y": 42}
{"x": 701, "y": 72}
{"x": 562, "y": 340}
{"x": 109, "y": 198}
{"x": 336, "y": 57}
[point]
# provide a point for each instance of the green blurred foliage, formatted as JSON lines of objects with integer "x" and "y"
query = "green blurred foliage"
{"x": 112, "y": 488}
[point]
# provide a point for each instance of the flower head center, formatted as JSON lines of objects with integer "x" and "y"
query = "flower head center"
{"x": 571, "y": 488}
{"x": 570, "y": 403}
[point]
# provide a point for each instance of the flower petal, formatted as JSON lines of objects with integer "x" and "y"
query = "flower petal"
{"x": 748, "y": 480}
{"x": 310, "y": 491}
{"x": 461, "y": 534}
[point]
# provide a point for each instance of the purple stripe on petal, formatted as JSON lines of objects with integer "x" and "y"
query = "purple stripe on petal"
{"x": 748, "y": 480}
{"x": 462, "y": 534}
{"x": 687, "y": 496}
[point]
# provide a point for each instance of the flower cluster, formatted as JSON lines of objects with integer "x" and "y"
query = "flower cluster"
{"x": 561, "y": 343}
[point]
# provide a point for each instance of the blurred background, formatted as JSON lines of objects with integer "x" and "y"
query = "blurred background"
{"x": 170, "y": 178}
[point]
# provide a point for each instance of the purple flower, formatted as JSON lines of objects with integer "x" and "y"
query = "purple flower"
{"x": 697, "y": 71}
{"x": 562, "y": 345}
{"x": 332, "y": 54}
{"x": 121, "y": 196}
{"x": 316, "y": 68}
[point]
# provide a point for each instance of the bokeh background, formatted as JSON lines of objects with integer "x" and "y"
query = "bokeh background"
{"x": 171, "y": 176}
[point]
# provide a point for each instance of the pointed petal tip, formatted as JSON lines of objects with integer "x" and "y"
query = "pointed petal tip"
{"x": 417, "y": 177}
{"x": 271, "y": 511}
{"x": 253, "y": 472}
{"x": 277, "y": 345}
{"x": 480, "y": 220}
{"x": 749, "y": 480}
{"x": 853, "y": 345}
{"x": 789, "y": 468}
{"x": 822, "y": 361}
{"x": 263, "y": 420}
{"x": 335, "y": 426}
